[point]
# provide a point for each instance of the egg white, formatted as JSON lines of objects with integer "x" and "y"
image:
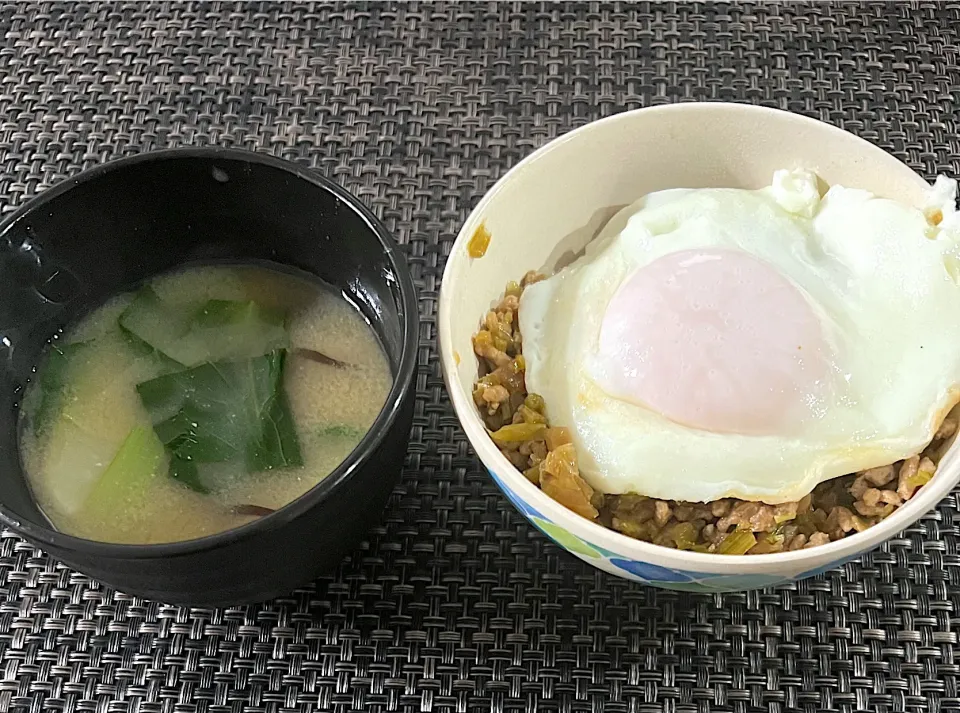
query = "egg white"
{"x": 884, "y": 280}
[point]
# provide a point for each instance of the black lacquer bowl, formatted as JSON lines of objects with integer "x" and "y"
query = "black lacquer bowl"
{"x": 118, "y": 224}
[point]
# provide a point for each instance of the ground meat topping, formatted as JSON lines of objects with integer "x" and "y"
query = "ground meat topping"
{"x": 545, "y": 454}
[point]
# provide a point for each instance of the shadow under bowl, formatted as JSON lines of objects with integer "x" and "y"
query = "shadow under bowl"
{"x": 116, "y": 225}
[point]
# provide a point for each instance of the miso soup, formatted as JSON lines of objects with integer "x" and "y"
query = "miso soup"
{"x": 207, "y": 398}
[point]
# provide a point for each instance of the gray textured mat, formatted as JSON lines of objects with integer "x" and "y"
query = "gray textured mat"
{"x": 455, "y": 604}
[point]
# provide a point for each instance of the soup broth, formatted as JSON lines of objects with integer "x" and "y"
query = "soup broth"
{"x": 208, "y": 398}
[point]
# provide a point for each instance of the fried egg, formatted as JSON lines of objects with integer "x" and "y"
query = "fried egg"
{"x": 718, "y": 343}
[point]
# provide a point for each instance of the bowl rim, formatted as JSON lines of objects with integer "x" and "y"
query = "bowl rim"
{"x": 401, "y": 385}
{"x": 594, "y": 533}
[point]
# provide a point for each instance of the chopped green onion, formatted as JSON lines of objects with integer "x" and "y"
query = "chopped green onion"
{"x": 921, "y": 477}
{"x": 782, "y": 517}
{"x": 738, "y": 542}
{"x": 531, "y": 416}
{"x": 518, "y": 432}
{"x": 533, "y": 474}
{"x": 534, "y": 402}
{"x": 684, "y": 535}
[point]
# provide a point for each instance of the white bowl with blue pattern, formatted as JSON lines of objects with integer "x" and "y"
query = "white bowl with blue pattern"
{"x": 555, "y": 200}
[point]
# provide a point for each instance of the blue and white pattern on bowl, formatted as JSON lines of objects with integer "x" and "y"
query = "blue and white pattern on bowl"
{"x": 647, "y": 572}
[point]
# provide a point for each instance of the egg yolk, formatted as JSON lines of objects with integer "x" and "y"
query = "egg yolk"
{"x": 716, "y": 340}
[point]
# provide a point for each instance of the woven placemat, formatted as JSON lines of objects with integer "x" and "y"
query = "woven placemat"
{"x": 455, "y": 604}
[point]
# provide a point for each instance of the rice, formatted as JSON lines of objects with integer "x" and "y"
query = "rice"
{"x": 546, "y": 456}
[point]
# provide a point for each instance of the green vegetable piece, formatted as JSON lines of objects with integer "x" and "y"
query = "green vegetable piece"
{"x": 54, "y": 380}
{"x": 684, "y": 535}
{"x": 738, "y": 542}
{"x": 518, "y": 432}
{"x": 238, "y": 330}
{"x": 187, "y": 473}
{"x": 531, "y": 416}
{"x": 126, "y": 479}
{"x": 162, "y": 363}
{"x": 217, "y": 330}
{"x": 227, "y": 410}
{"x": 153, "y": 323}
{"x": 534, "y": 402}
{"x": 921, "y": 477}
{"x": 533, "y": 474}
{"x": 781, "y": 518}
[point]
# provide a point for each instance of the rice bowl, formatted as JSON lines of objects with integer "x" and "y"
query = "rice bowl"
{"x": 556, "y": 200}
